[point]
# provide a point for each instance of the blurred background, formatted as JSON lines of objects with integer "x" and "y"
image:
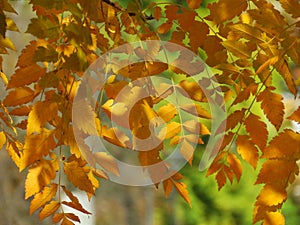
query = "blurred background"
{"x": 124, "y": 205}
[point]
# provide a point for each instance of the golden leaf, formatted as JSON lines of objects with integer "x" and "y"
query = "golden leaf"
{"x": 43, "y": 197}
{"x": 168, "y": 186}
{"x": 77, "y": 176}
{"x": 2, "y": 139}
{"x": 181, "y": 189}
{"x": 271, "y": 194}
{"x": 274, "y": 218}
{"x": 36, "y": 146}
{"x": 49, "y": 209}
{"x": 173, "y": 129}
{"x": 247, "y": 150}
{"x": 167, "y": 112}
{"x": 41, "y": 113}
{"x": 39, "y": 176}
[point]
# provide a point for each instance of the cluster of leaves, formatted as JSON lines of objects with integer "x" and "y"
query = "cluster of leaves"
{"x": 245, "y": 42}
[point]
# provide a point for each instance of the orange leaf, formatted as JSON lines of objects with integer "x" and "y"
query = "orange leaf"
{"x": 295, "y": 116}
{"x": 37, "y": 146}
{"x": 19, "y": 96}
{"x": 49, "y": 209}
{"x": 39, "y": 176}
{"x": 276, "y": 171}
{"x": 271, "y": 195}
{"x": 194, "y": 4}
{"x": 168, "y": 186}
{"x": 77, "y": 176}
{"x": 247, "y": 150}
{"x": 285, "y": 145}
{"x": 43, "y": 197}
{"x": 26, "y": 75}
{"x": 274, "y": 218}
{"x": 181, "y": 189}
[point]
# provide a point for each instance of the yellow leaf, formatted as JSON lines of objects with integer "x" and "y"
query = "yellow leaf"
{"x": 43, "y": 197}
{"x": 19, "y": 96}
{"x": 192, "y": 90}
{"x": 274, "y": 218}
{"x": 247, "y": 150}
{"x": 2, "y": 139}
{"x": 257, "y": 130}
{"x": 173, "y": 129}
{"x": 49, "y": 209}
{"x": 77, "y": 176}
{"x": 39, "y": 176}
{"x": 37, "y": 146}
{"x": 41, "y": 113}
{"x": 167, "y": 112}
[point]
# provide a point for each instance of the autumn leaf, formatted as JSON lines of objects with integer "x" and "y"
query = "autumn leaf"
{"x": 272, "y": 106}
{"x": 257, "y": 130}
{"x": 49, "y": 209}
{"x": 43, "y": 197}
{"x": 39, "y": 176}
{"x": 36, "y": 146}
{"x": 19, "y": 96}
{"x": 224, "y": 10}
{"x": 77, "y": 176}
{"x": 247, "y": 150}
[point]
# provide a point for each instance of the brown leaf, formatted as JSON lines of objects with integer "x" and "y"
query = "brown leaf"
{"x": 19, "y": 96}
{"x": 257, "y": 130}
{"x": 272, "y": 105}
